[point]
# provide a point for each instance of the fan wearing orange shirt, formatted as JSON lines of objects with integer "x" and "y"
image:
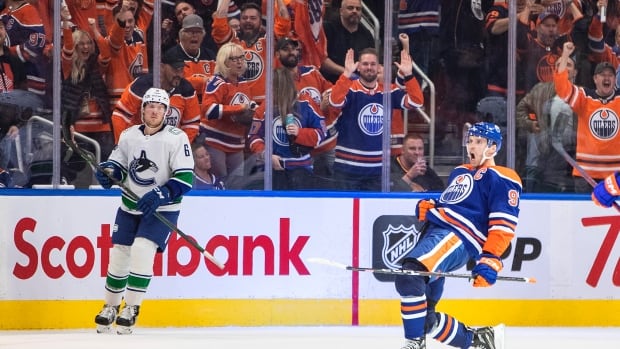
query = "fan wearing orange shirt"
{"x": 252, "y": 38}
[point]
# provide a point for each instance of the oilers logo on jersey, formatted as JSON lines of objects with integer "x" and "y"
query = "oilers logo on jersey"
{"x": 397, "y": 243}
{"x": 136, "y": 68}
{"x": 458, "y": 190}
{"x": 279, "y": 133}
{"x": 255, "y": 66}
{"x": 545, "y": 67}
{"x": 137, "y": 168}
{"x": 239, "y": 98}
{"x": 370, "y": 119}
{"x": 312, "y": 93}
{"x": 173, "y": 117}
{"x": 604, "y": 124}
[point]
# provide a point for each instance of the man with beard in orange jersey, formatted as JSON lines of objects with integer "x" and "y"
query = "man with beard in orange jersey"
{"x": 184, "y": 110}
{"x": 252, "y": 38}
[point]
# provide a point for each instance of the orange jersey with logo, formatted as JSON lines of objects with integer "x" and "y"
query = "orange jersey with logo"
{"x": 221, "y": 101}
{"x": 255, "y": 53}
{"x": 201, "y": 66}
{"x": 308, "y": 29}
{"x": 598, "y": 127}
{"x": 184, "y": 111}
{"x": 127, "y": 61}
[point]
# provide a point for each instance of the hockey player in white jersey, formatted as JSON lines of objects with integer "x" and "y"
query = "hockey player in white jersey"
{"x": 155, "y": 162}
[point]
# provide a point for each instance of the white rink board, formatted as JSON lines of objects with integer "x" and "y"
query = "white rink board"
{"x": 38, "y": 232}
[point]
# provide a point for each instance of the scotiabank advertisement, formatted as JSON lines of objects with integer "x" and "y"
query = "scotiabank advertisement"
{"x": 56, "y": 247}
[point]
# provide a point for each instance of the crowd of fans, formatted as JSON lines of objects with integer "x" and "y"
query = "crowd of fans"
{"x": 213, "y": 65}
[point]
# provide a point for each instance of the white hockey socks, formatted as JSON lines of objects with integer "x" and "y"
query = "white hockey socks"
{"x": 140, "y": 270}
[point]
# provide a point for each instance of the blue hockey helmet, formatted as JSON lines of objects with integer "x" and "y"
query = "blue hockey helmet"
{"x": 487, "y": 130}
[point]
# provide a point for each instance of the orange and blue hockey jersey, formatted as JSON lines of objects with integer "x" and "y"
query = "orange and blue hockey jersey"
{"x": 128, "y": 59}
{"x": 307, "y": 22}
{"x": 26, "y": 39}
{"x": 311, "y": 133}
{"x": 359, "y": 148}
{"x": 222, "y": 100}
{"x": 481, "y": 205}
{"x": 255, "y": 52}
{"x": 184, "y": 111}
{"x": 598, "y": 127}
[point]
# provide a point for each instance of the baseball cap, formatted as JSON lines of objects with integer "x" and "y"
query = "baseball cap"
{"x": 173, "y": 58}
{"x": 602, "y": 66}
{"x": 281, "y": 43}
{"x": 545, "y": 15}
{"x": 193, "y": 21}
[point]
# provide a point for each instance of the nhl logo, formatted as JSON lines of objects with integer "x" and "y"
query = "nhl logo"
{"x": 393, "y": 237}
{"x": 397, "y": 243}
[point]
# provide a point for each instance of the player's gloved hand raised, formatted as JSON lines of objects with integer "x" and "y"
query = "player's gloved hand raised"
{"x": 485, "y": 271}
{"x": 149, "y": 203}
{"x": 607, "y": 191}
{"x": 104, "y": 178}
{"x": 422, "y": 207}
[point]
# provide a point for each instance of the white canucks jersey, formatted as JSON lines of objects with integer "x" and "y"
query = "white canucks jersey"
{"x": 151, "y": 161}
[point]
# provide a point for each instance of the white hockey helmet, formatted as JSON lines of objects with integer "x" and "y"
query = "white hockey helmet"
{"x": 156, "y": 95}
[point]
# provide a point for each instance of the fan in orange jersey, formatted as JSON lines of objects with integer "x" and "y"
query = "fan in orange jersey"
{"x": 598, "y": 119}
{"x": 26, "y": 39}
{"x": 128, "y": 58}
{"x": 199, "y": 61}
{"x": 227, "y": 111}
{"x": 307, "y": 24}
{"x": 184, "y": 110}
{"x": 252, "y": 38}
{"x": 142, "y": 11}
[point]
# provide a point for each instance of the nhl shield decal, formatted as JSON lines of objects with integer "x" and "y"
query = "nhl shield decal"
{"x": 393, "y": 237}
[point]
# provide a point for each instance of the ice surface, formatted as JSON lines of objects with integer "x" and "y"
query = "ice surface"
{"x": 294, "y": 338}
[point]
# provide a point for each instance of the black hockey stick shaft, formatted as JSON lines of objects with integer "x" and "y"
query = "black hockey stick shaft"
{"x": 437, "y": 274}
{"x": 89, "y": 159}
{"x": 414, "y": 272}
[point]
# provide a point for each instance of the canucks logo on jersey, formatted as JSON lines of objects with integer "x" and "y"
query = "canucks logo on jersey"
{"x": 138, "y": 170}
{"x": 370, "y": 119}
{"x": 458, "y": 190}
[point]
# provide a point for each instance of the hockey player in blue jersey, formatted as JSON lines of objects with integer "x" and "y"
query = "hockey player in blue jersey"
{"x": 475, "y": 217}
{"x": 154, "y": 161}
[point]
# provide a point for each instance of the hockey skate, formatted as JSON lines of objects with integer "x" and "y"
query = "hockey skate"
{"x": 418, "y": 343}
{"x": 105, "y": 318}
{"x": 488, "y": 337}
{"x": 127, "y": 319}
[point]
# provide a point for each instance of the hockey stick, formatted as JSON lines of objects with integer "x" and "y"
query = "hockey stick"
{"x": 413, "y": 272}
{"x": 66, "y": 135}
{"x": 556, "y": 143}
